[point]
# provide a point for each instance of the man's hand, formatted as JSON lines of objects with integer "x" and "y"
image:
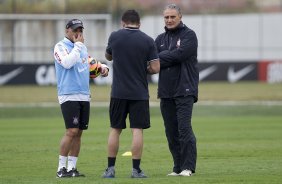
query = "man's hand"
{"x": 78, "y": 38}
{"x": 104, "y": 71}
{"x": 153, "y": 67}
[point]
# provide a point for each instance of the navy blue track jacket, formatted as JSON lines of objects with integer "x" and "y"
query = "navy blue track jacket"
{"x": 179, "y": 74}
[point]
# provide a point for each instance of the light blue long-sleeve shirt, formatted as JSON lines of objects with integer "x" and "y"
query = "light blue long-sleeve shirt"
{"x": 72, "y": 70}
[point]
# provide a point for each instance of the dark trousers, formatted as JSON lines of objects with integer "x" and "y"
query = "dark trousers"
{"x": 177, "y": 114}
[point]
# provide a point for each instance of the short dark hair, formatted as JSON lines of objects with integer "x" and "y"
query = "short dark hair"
{"x": 175, "y": 7}
{"x": 131, "y": 17}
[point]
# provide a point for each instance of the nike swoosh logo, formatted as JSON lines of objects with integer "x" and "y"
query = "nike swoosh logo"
{"x": 206, "y": 72}
{"x": 8, "y": 76}
{"x": 235, "y": 76}
{"x": 82, "y": 69}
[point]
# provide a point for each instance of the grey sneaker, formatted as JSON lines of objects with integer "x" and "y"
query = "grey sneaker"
{"x": 136, "y": 174}
{"x": 109, "y": 172}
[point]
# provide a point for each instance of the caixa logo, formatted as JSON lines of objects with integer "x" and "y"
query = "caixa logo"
{"x": 274, "y": 72}
{"x": 45, "y": 75}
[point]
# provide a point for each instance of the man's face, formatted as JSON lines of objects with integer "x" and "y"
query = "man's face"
{"x": 74, "y": 32}
{"x": 172, "y": 18}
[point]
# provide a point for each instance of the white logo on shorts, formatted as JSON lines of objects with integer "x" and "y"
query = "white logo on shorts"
{"x": 75, "y": 120}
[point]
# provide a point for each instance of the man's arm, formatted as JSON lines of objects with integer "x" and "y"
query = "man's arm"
{"x": 66, "y": 59}
{"x": 108, "y": 56}
{"x": 108, "y": 53}
{"x": 188, "y": 47}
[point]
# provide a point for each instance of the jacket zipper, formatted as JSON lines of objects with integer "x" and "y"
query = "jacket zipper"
{"x": 170, "y": 42}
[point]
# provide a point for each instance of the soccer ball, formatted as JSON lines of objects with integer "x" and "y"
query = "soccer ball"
{"x": 94, "y": 67}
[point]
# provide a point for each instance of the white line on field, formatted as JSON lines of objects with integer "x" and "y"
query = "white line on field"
{"x": 152, "y": 104}
{"x": 241, "y": 103}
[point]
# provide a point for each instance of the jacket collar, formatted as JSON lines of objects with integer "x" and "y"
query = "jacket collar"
{"x": 68, "y": 42}
{"x": 180, "y": 26}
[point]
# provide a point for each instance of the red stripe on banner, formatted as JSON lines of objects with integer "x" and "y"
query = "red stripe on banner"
{"x": 262, "y": 70}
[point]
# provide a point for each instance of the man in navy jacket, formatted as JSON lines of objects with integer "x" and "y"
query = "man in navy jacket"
{"x": 178, "y": 89}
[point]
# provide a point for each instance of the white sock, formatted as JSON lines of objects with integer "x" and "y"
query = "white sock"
{"x": 71, "y": 162}
{"x": 62, "y": 162}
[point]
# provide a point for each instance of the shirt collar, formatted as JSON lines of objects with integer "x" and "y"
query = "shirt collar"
{"x": 131, "y": 28}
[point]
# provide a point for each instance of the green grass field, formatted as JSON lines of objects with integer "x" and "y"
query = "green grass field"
{"x": 236, "y": 143}
{"x": 244, "y": 91}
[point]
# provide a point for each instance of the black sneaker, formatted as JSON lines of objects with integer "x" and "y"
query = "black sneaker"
{"x": 62, "y": 173}
{"x": 75, "y": 173}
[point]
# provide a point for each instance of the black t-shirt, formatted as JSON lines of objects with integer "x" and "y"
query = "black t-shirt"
{"x": 131, "y": 49}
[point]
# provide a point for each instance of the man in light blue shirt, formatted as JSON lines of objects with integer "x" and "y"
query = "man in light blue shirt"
{"x": 72, "y": 72}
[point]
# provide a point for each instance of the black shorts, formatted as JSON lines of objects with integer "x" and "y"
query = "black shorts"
{"x": 76, "y": 114}
{"x": 138, "y": 110}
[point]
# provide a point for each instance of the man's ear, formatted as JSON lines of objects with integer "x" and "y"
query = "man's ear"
{"x": 122, "y": 24}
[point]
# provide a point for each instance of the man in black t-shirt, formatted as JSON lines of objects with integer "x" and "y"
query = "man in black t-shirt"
{"x": 134, "y": 55}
